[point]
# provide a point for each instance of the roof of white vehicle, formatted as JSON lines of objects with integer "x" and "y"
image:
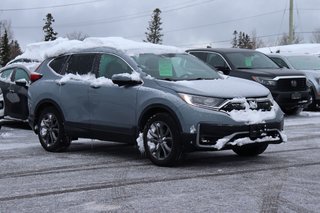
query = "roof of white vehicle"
{"x": 310, "y": 48}
{"x": 43, "y": 50}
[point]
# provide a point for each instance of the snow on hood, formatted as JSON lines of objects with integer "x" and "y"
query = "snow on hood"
{"x": 220, "y": 88}
{"x": 43, "y": 50}
{"x": 312, "y": 49}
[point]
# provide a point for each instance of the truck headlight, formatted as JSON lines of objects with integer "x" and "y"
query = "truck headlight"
{"x": 265, "y": 81}
{"x": 202, "y": 101}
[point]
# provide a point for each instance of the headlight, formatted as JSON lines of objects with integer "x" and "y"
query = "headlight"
{"x": 201, "y": 101}
{"x": 270, "y": 97}
{"x": 265, "y": 81}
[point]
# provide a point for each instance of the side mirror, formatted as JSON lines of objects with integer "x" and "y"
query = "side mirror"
{"x": 125, "y": 80}
{"x": 223, "y": 69}
{"x": 22, "y": 82}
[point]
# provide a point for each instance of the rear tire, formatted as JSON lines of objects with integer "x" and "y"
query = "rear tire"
{"x": 250, "y": 149}
{"x": 51, "y": 131}
{"x": 161, "y": 140}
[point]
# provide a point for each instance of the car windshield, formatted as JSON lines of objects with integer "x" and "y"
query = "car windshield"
{"x": 175, "y": 67}
{"x": 251, "y": 60}
{"x": 305, "y": 62}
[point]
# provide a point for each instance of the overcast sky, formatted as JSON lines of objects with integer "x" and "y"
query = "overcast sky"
{"x": 186, "y": 23}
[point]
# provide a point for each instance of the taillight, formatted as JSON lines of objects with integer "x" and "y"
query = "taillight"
{"x": 35, "y": 76}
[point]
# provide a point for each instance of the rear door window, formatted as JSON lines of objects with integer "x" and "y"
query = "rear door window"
{"x": 81, "y": 64}
{"x": 58, "y": 63}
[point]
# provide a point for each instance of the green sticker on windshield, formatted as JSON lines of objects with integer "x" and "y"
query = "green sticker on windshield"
{"x": 165, "y": 67}
{"x": 248, "y": 62}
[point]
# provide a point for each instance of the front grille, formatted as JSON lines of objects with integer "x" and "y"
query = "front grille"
{"x": 254, "y": 104}
{"x": 292, "y": 84}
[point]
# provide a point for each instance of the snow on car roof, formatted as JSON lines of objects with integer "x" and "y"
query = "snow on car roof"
{"x": 43, "y": 50}
{"x": 312, "y": 49}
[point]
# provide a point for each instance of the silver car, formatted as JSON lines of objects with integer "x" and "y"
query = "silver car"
{"x": 167, "y": 103}
{"x": 309, "y": 65}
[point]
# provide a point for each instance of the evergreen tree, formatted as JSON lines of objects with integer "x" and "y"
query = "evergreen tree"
{"x": 243, "y": 40}
{"x": 5, "y": 49}
{"x": 235, "y": 39}
{"x": 49, "y": 33}
{"x": 15, "y": 49}
{"x": 154, "y": 30}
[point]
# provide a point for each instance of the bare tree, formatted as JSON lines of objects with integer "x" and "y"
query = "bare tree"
{"x": 284, "y": 40}
{"x": 256, "y": 41}
{"x": 316, "y": 36}
{"x": 77, "y": 35}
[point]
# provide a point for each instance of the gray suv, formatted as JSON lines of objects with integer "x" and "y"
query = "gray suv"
{"x": 168, "y": 103}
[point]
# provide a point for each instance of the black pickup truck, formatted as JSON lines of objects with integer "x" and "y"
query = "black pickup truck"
{"x": 288, "y": 87}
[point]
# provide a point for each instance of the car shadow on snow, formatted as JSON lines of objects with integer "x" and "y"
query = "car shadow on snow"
{"x": 15, "y": 124}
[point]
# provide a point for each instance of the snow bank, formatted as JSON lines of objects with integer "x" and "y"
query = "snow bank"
{"x": 43, "y": 50}
{"x": 312, "y": 49}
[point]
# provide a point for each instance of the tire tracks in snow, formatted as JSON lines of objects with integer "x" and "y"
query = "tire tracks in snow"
{"x": 140, "y": 181}
{"x": 109, "y": 165}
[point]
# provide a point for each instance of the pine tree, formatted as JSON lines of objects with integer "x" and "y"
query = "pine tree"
{"x": 5, "y": 49}
{"x": 49, "y": 33}
{"x": 154, "y": 30}
{"x": 235, "y": 39}
{"x": 15, "y": 49}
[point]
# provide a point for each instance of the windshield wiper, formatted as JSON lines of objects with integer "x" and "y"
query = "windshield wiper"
{"x": 167, "y": 79}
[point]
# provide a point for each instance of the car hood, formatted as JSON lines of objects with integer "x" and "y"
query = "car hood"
{"x": 229, "y": 87}
{"x": 272, "y": 72}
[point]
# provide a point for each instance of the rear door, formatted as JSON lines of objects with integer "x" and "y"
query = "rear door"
{"x": 73, "y": 90}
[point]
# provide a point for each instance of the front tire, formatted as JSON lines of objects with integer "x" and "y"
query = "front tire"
{"x": 51, "y": 131}
{"x": 161, "y": 140}
{"x": 250, "y": 149}
{"x": 292, "y": 111}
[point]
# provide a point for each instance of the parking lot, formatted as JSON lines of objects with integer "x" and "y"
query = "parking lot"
{"x": 96, "y": 176}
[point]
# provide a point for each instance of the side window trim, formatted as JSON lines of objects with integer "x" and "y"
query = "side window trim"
{"x": 111, "y": 54}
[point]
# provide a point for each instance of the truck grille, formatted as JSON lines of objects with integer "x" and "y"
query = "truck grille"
{"x": 292, "y": 84}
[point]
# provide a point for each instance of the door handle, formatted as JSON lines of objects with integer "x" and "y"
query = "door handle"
{"x": 60, "y": 83}
{"x": 95, "y": 86}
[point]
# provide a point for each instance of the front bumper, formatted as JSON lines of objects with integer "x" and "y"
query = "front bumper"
{"x": 217, "y": 137}
{"x": 1, "y": 108}
{"x": 296, "y": 99}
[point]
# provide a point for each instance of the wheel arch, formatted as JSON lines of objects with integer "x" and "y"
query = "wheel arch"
{"x": 44, "y": 104}
{"x": 154, "y": 109}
